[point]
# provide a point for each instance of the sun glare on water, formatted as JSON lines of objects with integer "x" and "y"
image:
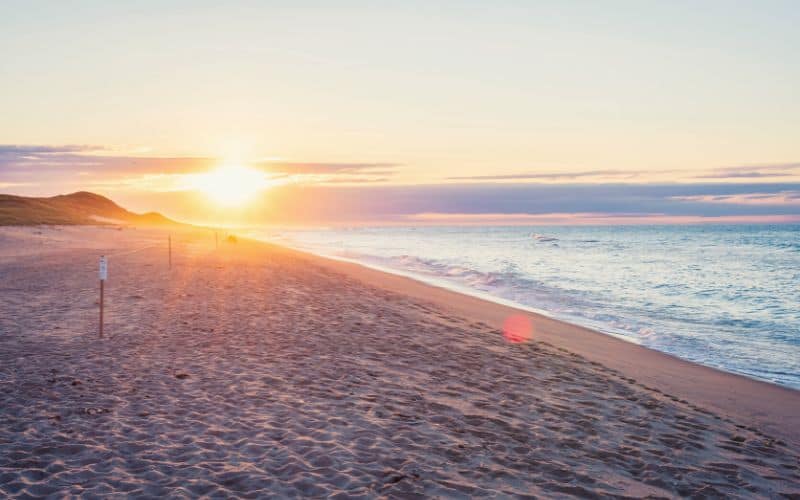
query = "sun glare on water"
{"x": 231, "y": 185}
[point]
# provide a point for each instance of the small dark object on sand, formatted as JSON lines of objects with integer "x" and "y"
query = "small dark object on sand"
{"x": 181, "y": 375}
{"x": 394, "y": 478}
{"x": 231, "y": 239}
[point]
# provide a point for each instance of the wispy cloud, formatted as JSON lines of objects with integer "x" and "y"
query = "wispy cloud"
{"x": 339, "y": 191}
{"x": 625, "y": 174}
{"x": 758, "y": 171}
{"x": 755, "y": 171}
{"x": 528, "y": 203}
{"x": 744, "y": 175}
{"x": 22, "y": 150}
{"x": 781, "y": 198}
{"x": 328, "y": 168}
{"x": 35, "y": 159}
{"x": 62, "y": 165}
{"x": 493, "y": 203}
{"x": 766, "y": 166}
{"x": 593, "y": 218}
{"x": 353, "y": 180}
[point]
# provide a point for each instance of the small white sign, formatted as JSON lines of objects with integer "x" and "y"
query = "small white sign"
{"x": 103, "y": 268}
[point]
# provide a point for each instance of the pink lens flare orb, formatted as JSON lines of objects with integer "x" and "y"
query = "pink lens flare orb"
{"x": 517, "y": 329}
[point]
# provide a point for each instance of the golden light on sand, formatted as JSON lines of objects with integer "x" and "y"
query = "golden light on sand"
{"x": 231, "y": 185}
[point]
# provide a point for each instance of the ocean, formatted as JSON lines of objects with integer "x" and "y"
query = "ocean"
{"x": 723, "y": 296}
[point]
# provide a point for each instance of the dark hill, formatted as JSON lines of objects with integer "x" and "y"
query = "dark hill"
{"x": 76, "y": 208}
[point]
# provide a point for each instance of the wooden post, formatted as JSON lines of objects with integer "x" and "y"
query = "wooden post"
{"x": 101, "y": 308}
{"x": 169, "y": 243}
{"x": 103, "y": 276}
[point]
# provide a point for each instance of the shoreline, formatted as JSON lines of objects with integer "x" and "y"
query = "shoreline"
{"x": 488, "y": 297}
{"x": 774, "y": 407}
{"x": 463, "y": 290}
{"x": 716, "y": 298}
{"x": 254, "y": 369}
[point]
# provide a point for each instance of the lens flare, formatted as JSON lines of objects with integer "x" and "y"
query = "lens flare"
{"x": 517, "y": 329}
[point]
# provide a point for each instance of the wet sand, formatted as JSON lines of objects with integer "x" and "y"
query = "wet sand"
{"x": 254, "y": 370}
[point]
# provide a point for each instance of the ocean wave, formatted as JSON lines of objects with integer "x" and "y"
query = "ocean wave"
{"x": 725, "y": 297}
{"x": 465, "y": 274}
{"x": 543, "y": 238}
{"x": 520, "y": 288}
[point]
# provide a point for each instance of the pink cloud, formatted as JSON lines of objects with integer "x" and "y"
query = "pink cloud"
{"x": 782, "y": 198}
{"x": 594, "y": 218}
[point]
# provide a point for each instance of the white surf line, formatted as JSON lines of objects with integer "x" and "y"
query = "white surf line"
{"x": 441, "y": 282}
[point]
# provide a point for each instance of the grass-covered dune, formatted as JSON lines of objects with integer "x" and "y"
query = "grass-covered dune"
{"x": 76, "y": 208}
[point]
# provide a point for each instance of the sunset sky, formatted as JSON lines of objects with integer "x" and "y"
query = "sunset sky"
{"x": 417, "y": 112}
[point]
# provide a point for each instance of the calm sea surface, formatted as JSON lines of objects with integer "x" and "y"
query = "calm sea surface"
{"x": 724, "y": 296}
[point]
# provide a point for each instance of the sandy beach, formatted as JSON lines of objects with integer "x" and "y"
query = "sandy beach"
{"x": 252, "y": 370}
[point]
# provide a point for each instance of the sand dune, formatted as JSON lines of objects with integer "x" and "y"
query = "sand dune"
{"x": 74, "y": 208}
{"x": 252, "y": 370}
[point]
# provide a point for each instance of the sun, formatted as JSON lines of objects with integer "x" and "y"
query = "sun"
{"x": 231, "y": 185}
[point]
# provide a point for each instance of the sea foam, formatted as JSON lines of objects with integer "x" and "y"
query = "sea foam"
{"x": 725, "y": 296}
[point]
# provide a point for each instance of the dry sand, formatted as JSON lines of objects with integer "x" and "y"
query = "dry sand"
{"x": 254, "y": 370}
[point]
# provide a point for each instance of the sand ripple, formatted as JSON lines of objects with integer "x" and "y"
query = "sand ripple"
{"x": 250, "y": 373}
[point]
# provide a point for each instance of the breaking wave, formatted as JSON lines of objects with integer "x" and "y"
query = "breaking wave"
{"x": 725, "y": 296}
